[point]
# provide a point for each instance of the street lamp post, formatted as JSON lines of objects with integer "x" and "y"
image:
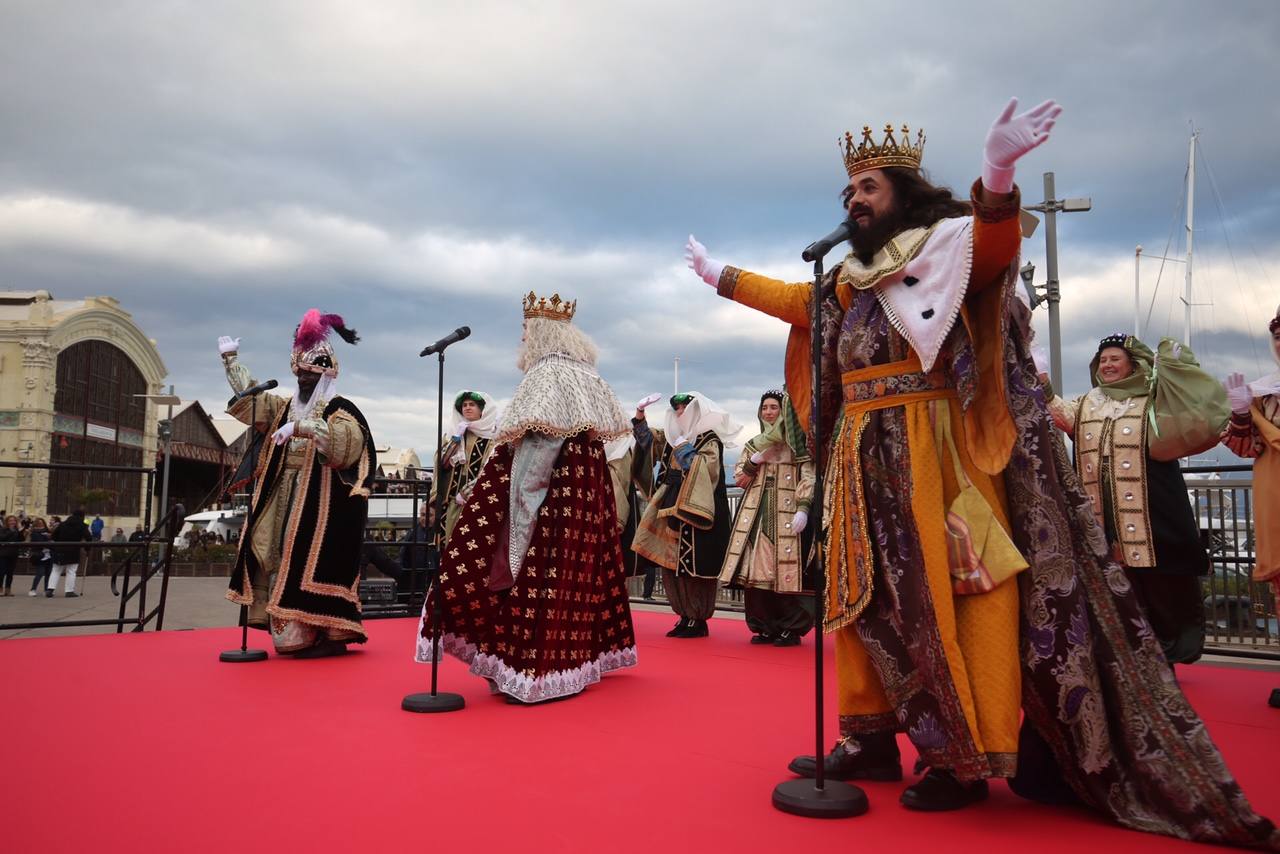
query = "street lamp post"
{"x": 165, "y": 432}
{"x": 1051, "y": 207}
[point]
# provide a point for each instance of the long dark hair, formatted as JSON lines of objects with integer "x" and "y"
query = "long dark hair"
{"x": 919, "y": 202}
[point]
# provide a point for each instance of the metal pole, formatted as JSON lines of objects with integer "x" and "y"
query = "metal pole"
{"x": 1051, "y": 286}
{"x": 164, "y": 482}
{"x": 1191, "y": 212}
{"x": 1137, "y": 261}
{"x": 676, "y": 390}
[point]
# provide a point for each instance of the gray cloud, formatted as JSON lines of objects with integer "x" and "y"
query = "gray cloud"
{"x": 414, "y": 167}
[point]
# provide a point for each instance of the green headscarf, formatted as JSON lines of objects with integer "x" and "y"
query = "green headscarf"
{"x": 1138, "y": 383}
{"x": 785, "y": 428}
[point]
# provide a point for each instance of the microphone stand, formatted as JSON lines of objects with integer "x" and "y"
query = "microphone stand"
{"x": 434, "y": 701}
{"x": 244, "y": 655}
{"x": 818, "y": 798}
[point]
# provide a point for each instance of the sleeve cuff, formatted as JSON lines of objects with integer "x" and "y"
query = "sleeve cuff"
{"x": 994, "y": 213}
{"x": 728, "y": 282}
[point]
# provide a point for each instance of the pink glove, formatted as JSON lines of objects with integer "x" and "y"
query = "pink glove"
{"x": 284, "y": 434}
{"x": 757, "y": 458}
{"x": 800, "y": 522}
{"x": 695, "y": 255}
{"x": 647, "y": 401}
{"x": 1011, "y": 137}
{"x": 1239, "y": 395}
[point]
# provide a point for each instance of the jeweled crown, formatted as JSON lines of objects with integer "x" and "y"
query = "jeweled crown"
{"x": 867, "y": 155}
{"x": 552, "y": 308}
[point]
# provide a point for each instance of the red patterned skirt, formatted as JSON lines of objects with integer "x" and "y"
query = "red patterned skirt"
{"x": 566, "y": 620}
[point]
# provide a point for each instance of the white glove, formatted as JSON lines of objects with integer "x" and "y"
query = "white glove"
{"x": 800, "y": 522}
{"x": 678, "y": 441}
{"x": 647, "y": 401}
{"x": 695, "y": 255}
{"x": 1239, "y": 395}
{"x": 284, "y": 434}
{"x": 460, "y": 499}
{"x": 1011, "y": 137}
{"x": 460, "y": 429}
{"x": 228, "y": 345}
{"x": 757, "y": 458}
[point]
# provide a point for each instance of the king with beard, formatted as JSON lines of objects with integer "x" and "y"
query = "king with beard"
{"x": 297, "y": 567}
{"x": 965, "y": 573}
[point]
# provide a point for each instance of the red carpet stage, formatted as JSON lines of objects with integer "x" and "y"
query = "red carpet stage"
{"x": 147, "y": 743}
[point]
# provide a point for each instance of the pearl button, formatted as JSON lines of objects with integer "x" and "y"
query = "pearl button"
{"x": 1128, "y": 496}
{"x": 1126, "y": 464}
{"x": 1135, "y": 555}
{"x": 1130, "y": 528}
{"x": 1127, "y": 430}
{"x": 1088, "y": 435}
{"x": 1088, "y": 467}
{"x": 788, "y": 549}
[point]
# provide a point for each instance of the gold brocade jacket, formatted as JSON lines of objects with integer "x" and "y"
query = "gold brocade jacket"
{"x": 783, "y": 486}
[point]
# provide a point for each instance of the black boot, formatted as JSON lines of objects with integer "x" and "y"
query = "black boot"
{"x": 877, "y": 758}
{"x": 787, "y": 639}
{"x": 1274, "y": 700}
{"x": 323, "y": 649}
{"x": 697, "y": 629}
{"x": 681, "y": 627}
{"x": 762, "y": 638}
{"x": 939, "y": 791}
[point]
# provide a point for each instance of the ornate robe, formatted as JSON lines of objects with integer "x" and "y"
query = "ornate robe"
{"x": 1068, "y": 634}
{"x": 1256, "y": 435}
{"x": 463, "y": 461}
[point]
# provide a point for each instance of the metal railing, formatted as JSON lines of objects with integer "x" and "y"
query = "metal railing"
{"x": 164, "y": 533}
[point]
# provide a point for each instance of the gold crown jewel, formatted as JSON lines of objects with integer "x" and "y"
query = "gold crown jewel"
{"x": 867, "y": 155}
{"x": 552, "y": 308}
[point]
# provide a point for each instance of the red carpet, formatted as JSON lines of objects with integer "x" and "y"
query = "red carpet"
{"x": 148, "y": 743}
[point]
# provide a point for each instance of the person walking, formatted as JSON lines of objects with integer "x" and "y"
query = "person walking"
{"x": 10, "y": 537}
{"x": 41, "y": 556}
{"x": 66, "y": 552}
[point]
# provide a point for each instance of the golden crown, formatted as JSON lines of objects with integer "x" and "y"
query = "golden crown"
{"x": 552, "y": 309}
{"x": 867, "y": 155}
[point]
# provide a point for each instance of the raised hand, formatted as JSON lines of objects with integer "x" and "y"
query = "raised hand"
{"x": 1239, "y": 395}
{"x": 695, "y": 255}
{"x": 1010, "y": 137}
{"x": 645, "y": 402}
{"x": 226, "y": 345}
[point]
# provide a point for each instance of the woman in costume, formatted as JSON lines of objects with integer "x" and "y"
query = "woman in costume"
{"x": 298, "y": 563}
{"x": 767, "y": 549}
{"x": 533, "y": 591}
{"x": 685, "y": 527}
{"x": 475, "y": 424}
{"x": 1140, "y": 501}
{"x": 1254, "y": 433}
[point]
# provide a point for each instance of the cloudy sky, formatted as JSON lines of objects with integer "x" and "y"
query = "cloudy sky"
{"x": 221, "y": 167}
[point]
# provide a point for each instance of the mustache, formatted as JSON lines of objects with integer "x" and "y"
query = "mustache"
{"x": 861, "y": 209}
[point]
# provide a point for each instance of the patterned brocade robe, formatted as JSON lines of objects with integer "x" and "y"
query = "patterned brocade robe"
{"x": 1067, "y": 635}
{"x": 763, "y": 552}
{"x": 298, "y": 563}
{"x": 463, "y": 461}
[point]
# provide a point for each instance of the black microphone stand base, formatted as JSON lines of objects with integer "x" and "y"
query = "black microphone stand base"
{"x": 427, "y": 703}
{"x": 241, "y": 656}
{"x": 835, "y": 799}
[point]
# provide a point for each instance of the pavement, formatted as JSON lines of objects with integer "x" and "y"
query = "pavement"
{"x": 200, "y": 603}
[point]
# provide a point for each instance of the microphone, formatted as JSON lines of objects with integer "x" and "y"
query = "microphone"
{"x": 252, "y": 390}
{"x": 819, "y": 248}
{"x": 452, "y": 338}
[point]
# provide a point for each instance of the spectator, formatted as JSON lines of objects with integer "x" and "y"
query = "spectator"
{"x": 95, "y": 528}
{"x": 66, "y": 552}
{"x": 119, "y": 537}
{"x": 41, "y": 558}
{"x": 10, "y": 537}
{"x": 138, "y": 534}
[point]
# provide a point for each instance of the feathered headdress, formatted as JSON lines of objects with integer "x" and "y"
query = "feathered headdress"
{"x": 311, "y": 348}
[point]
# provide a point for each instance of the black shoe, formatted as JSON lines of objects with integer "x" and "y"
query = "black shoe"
{"x": 762, "y": 638}
{"x": 48, "y": 594}
{"x": 695, "y": 629}
{"x": 877, "y": 760}
{"x": 681, "y": 626}
{"x": 324, "y": 649}
{"x": 1274, "y": 700}
{"x": 939, "y": 791}
{"x": 787, "y": 639}
{"x": 73, "y": 595}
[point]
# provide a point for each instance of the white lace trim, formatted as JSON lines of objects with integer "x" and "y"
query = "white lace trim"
{"x": 505, "y": 679}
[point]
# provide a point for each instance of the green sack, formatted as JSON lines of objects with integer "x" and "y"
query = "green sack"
{"x": 1188, "y": 408}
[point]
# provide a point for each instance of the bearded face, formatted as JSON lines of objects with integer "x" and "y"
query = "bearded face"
{"x": 871, "y": 202}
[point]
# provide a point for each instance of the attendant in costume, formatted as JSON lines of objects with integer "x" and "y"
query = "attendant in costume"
{"x": 475, "y": 424}
{"x": 1254, "y": 433}
{"x": 767, "y": 549}
{"x": 631, "y": 479}
{"x": 685, "y": 527}
{"x": 1140, "y": 502}
{"x": 929, "y": 395}
{"x": 298, "y": 562}
{"x": 533, "y": 590}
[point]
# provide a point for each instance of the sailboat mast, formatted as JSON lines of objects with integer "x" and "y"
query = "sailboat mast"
{"x": 1191, "y": 212}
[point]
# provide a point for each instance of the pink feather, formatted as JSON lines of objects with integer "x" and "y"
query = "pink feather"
{"x": 313, "y": 329}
